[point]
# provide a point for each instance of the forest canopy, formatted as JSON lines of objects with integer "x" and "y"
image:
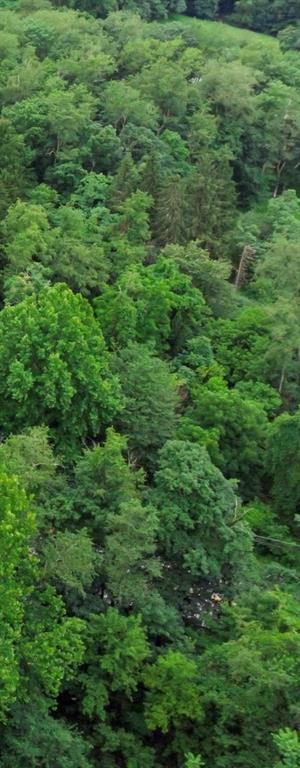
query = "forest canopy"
{"x": 149, "y": 384}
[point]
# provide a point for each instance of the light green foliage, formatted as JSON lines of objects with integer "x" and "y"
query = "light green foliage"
{"x": 280, "y": 115}
{"x": 157, "y": 303}
{"x": 53, "y": 646}
{"x": 164, "y": 83}
{"x": 54, "y": 366}
{"x": 78, "y": 254}
{"x": 36, "y": 634}
{"x": 26, "y": 231}
{"x": 69, "y": 559}
{"x": 17, "y": 566}
{"x": 229, "y": 87}
{"x": 241, "y": 426}
{"x": 287, "y": 743}
{"x": 67, "y": 251}
{"x": 124, "y": 103}
{"x": 172, "y": 697}
{"x": 193, "y": 761}
{"x": 30, "y": 457}
{"x": 68, "y": 112}
{"x": 289, "y": 38}
{"x": 15, "y": 173}
{"x": 277, "y": 280}
{"x": 134, "y": 219}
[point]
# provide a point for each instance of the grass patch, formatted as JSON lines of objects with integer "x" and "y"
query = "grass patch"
{"x": 214, "y": 35}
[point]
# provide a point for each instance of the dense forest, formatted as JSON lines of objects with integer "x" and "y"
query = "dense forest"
{"x": 150, "y": 385}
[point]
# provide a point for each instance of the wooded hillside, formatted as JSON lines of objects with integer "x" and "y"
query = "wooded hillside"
{"x": 149, "y": 387}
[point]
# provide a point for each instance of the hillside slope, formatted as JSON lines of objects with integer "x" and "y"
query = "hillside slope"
{"x": 149, "y": 393}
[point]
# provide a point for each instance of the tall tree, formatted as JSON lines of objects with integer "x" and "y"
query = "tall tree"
{"x": 149, "y": 417}
{"x": 200, "y": 537}
{"x": 54, "y": 366}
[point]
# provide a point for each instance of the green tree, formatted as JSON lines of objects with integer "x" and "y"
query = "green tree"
{"x": 28, "y": 237}
{"x": 17, "y": 565}
{"x": 237, "y": 674}
{"x": 287, "y": 743}
{"x": 278, "y": 115}
{"x": 208, "y": 275}
{"x": 289, "y": 38}
{"x": 30, "y": 457}
{"x": 164, "y": 84}
{"x": 200, "y": 535}
{"x": 282, "y": 461}
{"x": 125, "y": 103}
{"x": 125, "y": 181}
{"x": 151, "y": 399}
{"x": 70, "y": 560}
{"x": 15, "y": 176}
{"x": 54, "y": 367}
{"x": 241, "y": 425}
{"x": 276, "y": 283}
{"x": 129, "y": 560}
{"x": 169, "y": 225}
{"x": 153, "y": 304}
{"x": 265, "y": 17}
{"x": 241, "y": 343}
{"x": 78, "y": 254}
{"x": 115, "y": 654}
{"x": 32, "y": 735}
{"x": 193, "y": 761}
{"x": 210, "y": 199}
{"x": 205, "y": 9}
{"x": 40, "y": 645}
{"x": 104, "y": 481}
{"x": 172, "y": 694}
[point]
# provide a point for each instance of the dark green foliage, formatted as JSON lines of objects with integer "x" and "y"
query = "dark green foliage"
{"x": 205, "y": 9}
{"x": 104, "y": 481}
{"x": 266, "y": 16}
{"x": 33, "y": 735}
{"x": 282, "y": 463}
{"x": 240, "y": 423}
{"x": 130, "y": 563}
{"x": 197, "y": 531}
{"x": 290, "y": 38}
{"x": 239, "y": 685}
{"x": 151, "y": 399}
